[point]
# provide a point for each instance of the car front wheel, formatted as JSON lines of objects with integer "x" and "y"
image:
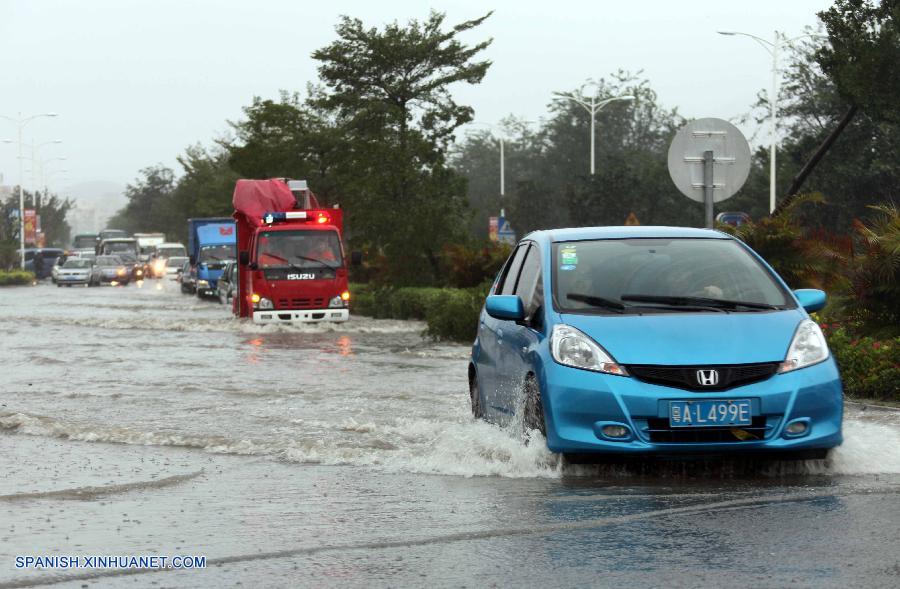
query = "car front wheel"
{"x": 475, "y": 398}
{"x": 533, "y": 414}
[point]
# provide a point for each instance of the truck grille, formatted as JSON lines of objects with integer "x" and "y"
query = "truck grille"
{"x": 688, "y": 377}
{"x": 301, "y": 303}
{"x": 659, "y": 430}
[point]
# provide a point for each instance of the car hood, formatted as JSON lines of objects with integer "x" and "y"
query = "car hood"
{"x": 692, "y": 338}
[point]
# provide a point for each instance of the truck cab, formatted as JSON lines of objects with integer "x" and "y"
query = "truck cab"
{"x": 292, "y": 267}
{"x": 211, "y": 243}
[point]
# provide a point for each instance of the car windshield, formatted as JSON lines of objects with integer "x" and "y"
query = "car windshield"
{"x": 647, "y": 275}
{"x": 121, "y": 247}
{"x": 217, "y": 253}
{"x": 310, "y": 249}
{"x": 108, "y": 261}
{"x": 175, "y": 262}
{"x": 169, "y": 252}
{"x": 77, "y": 263}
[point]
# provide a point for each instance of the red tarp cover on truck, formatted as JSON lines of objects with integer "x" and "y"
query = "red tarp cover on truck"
{"x": 255, "y": 198}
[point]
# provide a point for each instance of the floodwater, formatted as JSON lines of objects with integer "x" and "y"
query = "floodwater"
{"x": 138, "y": 421}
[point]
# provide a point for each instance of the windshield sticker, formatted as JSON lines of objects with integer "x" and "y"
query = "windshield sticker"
{"x": 568, "y": 257}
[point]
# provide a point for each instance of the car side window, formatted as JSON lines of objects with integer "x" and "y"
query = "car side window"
{"x": 528, "y": 286}
{"x": 507, "y": 284}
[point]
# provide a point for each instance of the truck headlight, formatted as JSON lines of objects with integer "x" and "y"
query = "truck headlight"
{"x": 570, "y": 347}
{"x": 264, "y": 303}
{"x": 807, "y": 348}
{"x": 202, "y": 284}
{"x": 337, "y": 302}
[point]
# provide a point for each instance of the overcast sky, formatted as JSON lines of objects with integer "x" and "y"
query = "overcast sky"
{"x": 135, "y": 82}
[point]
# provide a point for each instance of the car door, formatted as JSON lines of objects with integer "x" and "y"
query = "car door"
{"x": 493, "y": 376}
{"x": 521, "y": 339}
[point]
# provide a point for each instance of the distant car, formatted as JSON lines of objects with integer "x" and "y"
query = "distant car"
{"x": 735, "y": 219}
{"x": 113, "y": 270}
{"x": 188, "y": 282}
{"x": 227, "y": 284}
{"x": 48, "y": 255}
{"x": 172, "y": 267}
{"x": 77, "y": 271}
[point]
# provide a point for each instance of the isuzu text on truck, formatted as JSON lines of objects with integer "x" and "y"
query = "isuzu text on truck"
{"x": 292, "y": 267}
{"x": 210, "y": 244}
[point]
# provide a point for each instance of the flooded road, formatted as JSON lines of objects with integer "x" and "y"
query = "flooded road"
{"x": 143, "y": 421}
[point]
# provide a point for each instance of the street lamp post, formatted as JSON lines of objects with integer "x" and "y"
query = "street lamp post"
{"x": 39, "y": 169}
{"x": 773, "y": 47}
{"x": 502, "y": 157}
{"x": 20, "y": 124}
{"x": 593, "y": 107}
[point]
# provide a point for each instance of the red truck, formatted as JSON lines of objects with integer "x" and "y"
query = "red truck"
{"x": 291, "y": 262}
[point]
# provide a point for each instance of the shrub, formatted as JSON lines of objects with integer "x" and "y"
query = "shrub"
{"x": 873, "y": 301}
{"x": 870, "y": 368}
{"x": 15, "y": 277}
{"x": 802, "y": 259}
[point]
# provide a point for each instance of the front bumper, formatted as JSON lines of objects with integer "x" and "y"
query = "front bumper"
{"x": 296, "y": 317}
{"x": 577, "y": 403}
{"x": 73, "y": 279}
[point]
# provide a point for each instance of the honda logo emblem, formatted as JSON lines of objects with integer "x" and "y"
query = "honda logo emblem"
{"x": 708, "y": 378}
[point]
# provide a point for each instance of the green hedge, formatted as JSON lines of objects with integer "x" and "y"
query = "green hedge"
{"x": 451, "y": 313}
{"x": 15, "y": 277}
{"x": 870, "y": 368}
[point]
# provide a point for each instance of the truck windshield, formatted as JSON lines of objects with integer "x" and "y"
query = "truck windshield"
{"x": 304, "y": 249}
{"x": 666, "y": 275}
{"x": 216, "y": 253}
{"x": 84, "y": 242}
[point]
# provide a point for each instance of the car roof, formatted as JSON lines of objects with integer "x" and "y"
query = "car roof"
{"x": 623, "y": 232}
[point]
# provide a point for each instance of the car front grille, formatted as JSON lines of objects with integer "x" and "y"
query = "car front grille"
{"x": 659, "y": 430}
{"x": 301, "y": 303}
{"x": 698, "y": 378}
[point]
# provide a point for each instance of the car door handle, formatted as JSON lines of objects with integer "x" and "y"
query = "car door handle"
{"x": 524, "y": 350}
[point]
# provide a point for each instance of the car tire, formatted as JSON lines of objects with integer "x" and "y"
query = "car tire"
{"x": 533, "y": 411}
{"x": 475, "y": 398}
{"x": 59, "y": 285}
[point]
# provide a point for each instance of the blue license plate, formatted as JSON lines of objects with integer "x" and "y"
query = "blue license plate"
{"x": 710, "y": 413}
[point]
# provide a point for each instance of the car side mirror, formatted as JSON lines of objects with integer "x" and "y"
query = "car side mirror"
{"x": 244, "y": 258}
{"x": 811, "y": 299}
{"x": 505, "y": 307}
{"x": 356, "y": 258}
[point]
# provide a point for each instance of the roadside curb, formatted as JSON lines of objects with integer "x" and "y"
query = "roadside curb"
{"x": 871, "y": 407}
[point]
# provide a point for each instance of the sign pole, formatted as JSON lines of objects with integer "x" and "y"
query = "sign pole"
{"x": 708, "y": 186}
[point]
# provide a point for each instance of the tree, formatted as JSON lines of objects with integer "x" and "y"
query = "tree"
{"x": 288, "y": 138}
{"x": 150, "y": 204}
{"x": 547, "y": 169}
{"x": 389, "y": 93}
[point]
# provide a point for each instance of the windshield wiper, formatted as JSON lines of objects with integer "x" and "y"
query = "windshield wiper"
{"x": 316, "y": 260}
{"x": 597, "y": 302}
{"x": 684, "y": 301}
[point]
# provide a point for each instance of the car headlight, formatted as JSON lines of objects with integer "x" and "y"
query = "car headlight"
{"x": 807, "y": 348}
{"x": 121, "y": 271}
{"x": 570, "y": 347}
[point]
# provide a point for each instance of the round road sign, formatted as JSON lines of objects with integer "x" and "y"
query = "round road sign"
{"x": 731, "y": 158}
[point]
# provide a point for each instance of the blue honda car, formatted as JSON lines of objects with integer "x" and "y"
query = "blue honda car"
{"x": 631, "y": 341}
